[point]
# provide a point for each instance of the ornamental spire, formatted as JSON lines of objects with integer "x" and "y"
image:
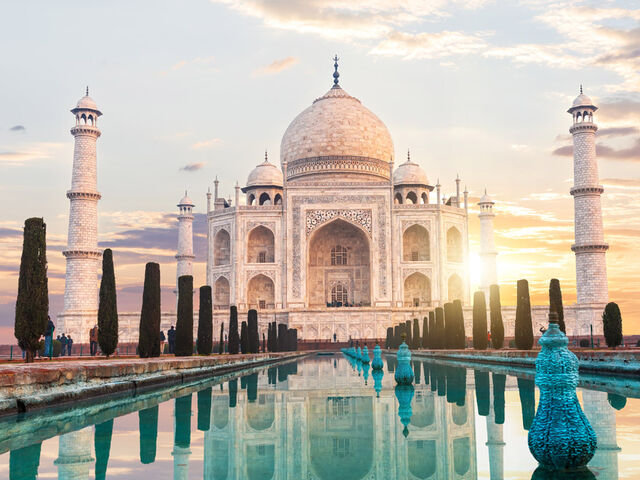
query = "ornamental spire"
{"x": 336, "y": 75}
{"x": 87, "y": 94}
{"x": 408, "y": 156}
{"x": 266, "y": 156}
{"x": 580, "y": 89}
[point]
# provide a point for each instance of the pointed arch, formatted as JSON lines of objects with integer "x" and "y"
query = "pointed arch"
{"x": 455, "y": 289}
{"x": 454, "y": 245}
{"x": 412, "y": 198}
{"x": 261, "y": 292}
{"x": 261, "y": 245}
{"x": 415, "y": 244}
{"x": 265, "y": 199}
{"x": 222, "y": 248}
{"x": 397, "y": 199}
{"x": 417, "y": 290}
{"x": 221, "y": 294}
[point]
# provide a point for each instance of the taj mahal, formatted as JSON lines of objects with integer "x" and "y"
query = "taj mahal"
{"x": 340, "y": 239}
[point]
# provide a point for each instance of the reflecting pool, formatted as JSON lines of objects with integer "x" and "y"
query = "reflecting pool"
{"x": 322, "y": 417}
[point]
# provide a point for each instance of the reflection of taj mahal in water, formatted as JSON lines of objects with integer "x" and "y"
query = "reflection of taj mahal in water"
{"x": 327, "y": 424}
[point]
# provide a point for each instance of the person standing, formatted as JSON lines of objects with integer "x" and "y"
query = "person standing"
{"x": 63, "y": 345}
{"x": 93, "y": 340}
{"x": 69, "y": 345}
{"x": 162, "y": 340}
{"x": 171, "y": 334}
{"x": 48, "y": 338}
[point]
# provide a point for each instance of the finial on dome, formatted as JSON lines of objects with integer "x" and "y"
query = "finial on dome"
{"x": 485, "y": 191}
{"x": 336, "y": 75}
{"x": 266, "y": 156}
{"x": 580, "y": 89}
{"x": 408, "y": 156}
{"x": 87, "y": 94}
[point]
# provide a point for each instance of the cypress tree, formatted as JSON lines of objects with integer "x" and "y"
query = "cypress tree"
{"x": 182, "y": 432}
{"x": 523, "y": 328}
{"x": 407, "y": 330}
{"x": 460, "y": 335}
{"x": 102, "y": 445}
{"x": 449, "y": 326}
{"x": 221, "y": 343}
{"x": 425, "y": 332}
{"x": 433, "y": 331}
{"x": 32, "y": 303}
{"x": 397, "y": 336}
{"x": 274, "y": 337}
{"x": 24, "y": 462}
{"x": 282, "y": 338}
{"x": 148, "y": 425}
{"x": 388, "y": 343}
{"x": 483, "y": 394}
{"x": 108, "y": 309}
{"x": 205, "y": 322}
{"x": 497, "y": 327}
{"x": 244, "y": 338}
{"x": 184, "y": 325}
{"x": 234, "y": 338}
{"x": 254, "y": 337}
{"x": 479, "y": 321}
{"x": 149, "y": 337}
{"x": 439, "y": 340}
{"x": 499, "y": 381}
{"x": 417, "y": 341}
{"x": 555, "y": 302}
{"x": 204, "y": 409}
{"x": 293, "y": 340}
{"x": 527, "y": 392}
{"x": 269, "y": 338}
{"x": 612, "y": 325}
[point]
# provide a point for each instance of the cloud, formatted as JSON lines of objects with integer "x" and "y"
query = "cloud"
{"x": 27, "y": 153}
{"x": 617, "y": 131}
{"x": 429, "y": 45}
{"x": 630, "y": 154}
{"x": 276, "y": 66}
{"x": 192, "y": 167}
{"x": 199, "y": 61}
{"x": 17, "y": 128}
{"x": 619, "y": 109}
{"x": 621, "y": 182}
{"x": 205, "y": 144}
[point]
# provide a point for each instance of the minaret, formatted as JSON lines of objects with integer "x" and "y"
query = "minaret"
{"x": 81, "y": 281}
{"x": 74, "y": 460}
{"x": 590, "y": 248}
{"x": 185, "y": 254}
{"x": 487, "y": 245}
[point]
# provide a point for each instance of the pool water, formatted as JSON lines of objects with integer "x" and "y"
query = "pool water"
{"x": 321, "y": 417}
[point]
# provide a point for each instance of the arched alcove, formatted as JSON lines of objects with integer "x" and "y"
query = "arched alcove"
{"x": 222, "y": 248}
{"x": 265, "y": 199}
{"x": 277, "y": 200}
{"x": 423, "y": 410}
{"x": 220, "y": 410}
{"x": 260, "y": 461}
{"x": 261, "y": 292}
{"x": 417, "y": 290}
{"x": 260, "y": 414}
{"x": 412, "y": 198}
{"x": 422, "y": 458}
{"x": 461, "y": 455}
{"x": 415, "y": 244}
{"x": 261, "y": 245}
{"x": 220, "y": 459}
{"x": 455, "y": 288}
{"x": 454, "y": 245}
{"x": 459, "y": 414}
{"x": 397, "y": 199}
{"x": 221, "y": 294}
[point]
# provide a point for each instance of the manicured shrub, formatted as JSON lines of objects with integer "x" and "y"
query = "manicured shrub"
{"x": 449, "y": 326}
{"x": 495, "y": 308}
{"x": 460, "y": 335}
{"x": 293, "y": 339}
{"x": 32, "y": 303}
{"x": 282, "y": 337}
{"x": 397, "y": 336}
{"x": 425, "y": 333}
{"x": 234, "y": 337}
{"x": 107, "y": 308}
{"x": 612, "y": 325}
{"x": 221, "y": 343}
{"x": 555, "y": 302}
{"x": 388, "y": 343}
{"x": 244, "y": 338}
{"x": 479, "y": 321}
{"x": 416, "y": 340}
{"x": 184, "y": 325}
{"x": 407, "y": 331}
{"x": 523, "y": 327}
{"x": 254, "y": 337}
{"x": 149, "y": 336}
{"x": 433, "y": 332}
{"x": 148, "y": 425}
{"x": 205, "y": 322}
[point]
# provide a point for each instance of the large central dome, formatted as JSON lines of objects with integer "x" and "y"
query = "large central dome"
{"x": 336, "y": 136}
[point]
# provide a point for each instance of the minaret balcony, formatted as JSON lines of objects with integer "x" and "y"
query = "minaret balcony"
{"x": 71, "y": 195}
{"x": 602, "y": 247}
{"x": 587, "y": 190}
{"x": 583, "y": 127}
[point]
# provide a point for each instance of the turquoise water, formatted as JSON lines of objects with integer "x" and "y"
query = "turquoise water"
{"x": 322, "y": 417}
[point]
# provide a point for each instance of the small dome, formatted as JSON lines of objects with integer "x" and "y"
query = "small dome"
{"x": 87, "y": 102}
{"x": 410, "y": 173}
{"x": 265, "y": 174}
{"x": 485, "y": 198}
{"x": 186, "y": 201}
{"x": 582, "y": 100}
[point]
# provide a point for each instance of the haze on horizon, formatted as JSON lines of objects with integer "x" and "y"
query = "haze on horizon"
{"x": 195, "y": 90}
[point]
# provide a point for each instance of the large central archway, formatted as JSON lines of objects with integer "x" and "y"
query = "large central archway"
{"x": 338, "y": 266}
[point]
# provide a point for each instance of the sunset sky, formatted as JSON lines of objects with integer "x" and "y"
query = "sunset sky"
{"x": 194, "y": 89}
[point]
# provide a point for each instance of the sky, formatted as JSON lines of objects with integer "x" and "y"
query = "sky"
{"x": 197, "y": 89}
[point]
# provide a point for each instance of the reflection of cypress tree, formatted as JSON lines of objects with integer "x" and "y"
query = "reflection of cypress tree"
{"x": 456, "y": 385}
{"x": 440, "y": 379}
{"x": 204, "y": 409}
{"x": 425, "y": 367}
{"x": 416, "y": 371}
{"x": 391, "y": 364}
{"x": 527, "y": 391}
{"x": 24, "y": 463}
{"x": 272, "y": 375}
{"x": 102, "y": 445}
{"x": 233, "y": 392}
{"x": 252, "y": 387}
{"x": 483, "y": 393}
{"x": 182, "y": 434}
{"x": 243, "y": 383}
{"x": 148, "y": 424}
{"x": 499, "y": 381}
{"x": 616, "y": 401}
